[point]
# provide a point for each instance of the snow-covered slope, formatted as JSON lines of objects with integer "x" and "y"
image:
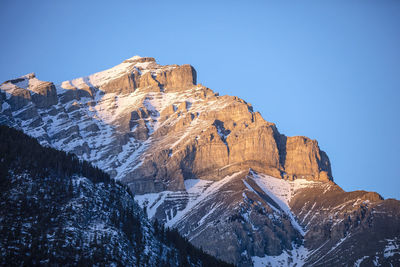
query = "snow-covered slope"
{"x": 204, "y": 210}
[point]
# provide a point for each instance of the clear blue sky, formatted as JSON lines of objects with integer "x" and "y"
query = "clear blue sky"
{"x": 329, "y": 70}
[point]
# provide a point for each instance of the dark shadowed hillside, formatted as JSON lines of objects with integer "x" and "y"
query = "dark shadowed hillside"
{"x": 56, "y": 209}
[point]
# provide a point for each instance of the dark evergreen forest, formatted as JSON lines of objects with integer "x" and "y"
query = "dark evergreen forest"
{"x": 58, "y": 210}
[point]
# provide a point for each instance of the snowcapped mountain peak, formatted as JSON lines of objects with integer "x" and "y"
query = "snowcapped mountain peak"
{"x": 135, "y": 57}
{"x": 186, "y": 152}
{"x": 133, "y": 73}
{"x": 22, "y": 82}
{"x": 29, "y": 75}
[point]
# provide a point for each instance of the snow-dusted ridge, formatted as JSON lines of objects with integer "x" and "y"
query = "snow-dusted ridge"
{"x": 100, "y": 78}
{"x": 89, "y": 126}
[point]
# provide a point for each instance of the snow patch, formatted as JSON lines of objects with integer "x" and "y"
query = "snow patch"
{"x": 249, "y": 187}
{"x": 392, "y": 248}
{"x": 359, "y": 261}
{"x": 151, "y": 201}
{"x": 334, "y": 247}
{"x": 135, "y": 57}
{"x": 23, "y": 84}
{"x": 207, "y": 188}
{"x": 196, "y": 186}
{"x": 4, "y": 106}
{"x": 295, "y": 257}
{"x": 281, "y": 191}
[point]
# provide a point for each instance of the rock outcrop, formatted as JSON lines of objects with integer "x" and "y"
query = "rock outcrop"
{"x": 302, "y": 158}
{"x": 45, "y": 94}
{"x": 220, "y": 140}
{"x": 348, "y": 227}
{"x": 28, "y": 88}
{"x": 146, "y": 73}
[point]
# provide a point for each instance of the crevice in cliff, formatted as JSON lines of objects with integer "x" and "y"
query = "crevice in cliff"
{"x": 325, "y": 164}
{"x": 281, "y": 141}
{"x": 222, "y": 132}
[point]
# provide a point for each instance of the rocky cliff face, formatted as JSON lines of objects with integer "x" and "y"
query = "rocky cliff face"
{"x": 148, "y": 107}
{"x": 29, "y": 89}
{"x": 191, "y": 156}
{"x": 146, "y": 73}
{"x": 357, "y": 226}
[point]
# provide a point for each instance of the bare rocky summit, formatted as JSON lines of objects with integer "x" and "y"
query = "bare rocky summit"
{"x": 206, "y": 164}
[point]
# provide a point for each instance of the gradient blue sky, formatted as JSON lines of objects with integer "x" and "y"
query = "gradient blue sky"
{"x": 329, "y": 70}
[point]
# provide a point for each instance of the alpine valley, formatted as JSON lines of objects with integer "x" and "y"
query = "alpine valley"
{"x": 203, "y": 164}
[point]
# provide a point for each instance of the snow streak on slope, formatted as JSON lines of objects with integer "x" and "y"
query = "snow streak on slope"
{"x": 100, "y": 78}
{"x": 197, "y": 190}
{"x": 392, "y": 248}
{"x": 150, "y": 202}
{"x": 281, "y": 191}
{"x": 206, "y": 189}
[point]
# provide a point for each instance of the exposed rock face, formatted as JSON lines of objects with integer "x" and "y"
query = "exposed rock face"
{"x": 237, "y": 222}
{"x": 137, "y": 59}
{"x": 19, "y": 98}
{"x": 27, "y": 88}
{"x": 45, "y": 94}
{"x": 218, "y": 136}
{"x": 146, "y": 73}
{"x": 177, "y": 78}
{"x": 303, "y": 159}
{"x": 348, "y": 227}
{"x": 203, "y": 163}
{"x": 124, "y": 84}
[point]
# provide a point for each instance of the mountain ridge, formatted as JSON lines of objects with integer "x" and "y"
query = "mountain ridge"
{"x": 145, "y": 73}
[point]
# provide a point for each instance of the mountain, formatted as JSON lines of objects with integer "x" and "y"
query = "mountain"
{"x": 208, "y": 166}
{"x": 59, "y": 210}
